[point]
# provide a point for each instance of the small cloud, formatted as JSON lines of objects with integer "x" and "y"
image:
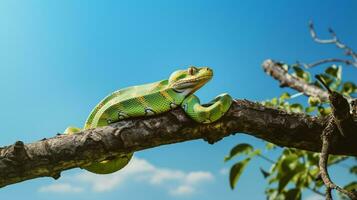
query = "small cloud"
{"x": 224, "y": 171}
{"x": 99, "y": 183}
{"x": 182, "y": 190}
{"x": 315, "y": 197}
{"x": 61, "y": 188}
{"x": 197, "y": 177}
{"x": 102, "y": 183}
{"x": 162, "y": 175}
{"x": 176, "y": 182}
{"x": 190, "y": 182}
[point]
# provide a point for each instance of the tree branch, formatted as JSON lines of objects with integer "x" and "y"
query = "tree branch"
{"x": 338, "y": 43}
{"x": 327, "y": 60}
{"x": 340, "y": 122}
{"x": 275, "y": 70}
{"x": 49, "y": 157}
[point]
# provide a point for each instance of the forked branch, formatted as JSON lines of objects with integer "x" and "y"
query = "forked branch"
{"x": 333, "y": 40}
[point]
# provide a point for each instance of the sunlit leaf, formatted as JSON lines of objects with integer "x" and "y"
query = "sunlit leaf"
{"x": 290, "y": 167}
{"x": 348, "y": 88}
{"x": 310, "y": 109}
{"x": 284, "y": 96}
{"x": 314, "y": 101}
{"x": 324, "y": 111}
{"x": 335, "y": 85}
{"x": 242, "y": 148}
{"x": 270, "y": 145}
{"x": 285, "y": 67}
{"x": 327, "y": 79}
{"x": 274, "y": 101}
{"x": 299, "y": 72}
{"x": 296, "y": 107}
{"x": 334, "y": 71}
{"x": 313, "y": 158}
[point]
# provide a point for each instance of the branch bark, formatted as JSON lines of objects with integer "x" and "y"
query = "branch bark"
{"x": 48, "y": 157}
{"x": 274, "y": 69}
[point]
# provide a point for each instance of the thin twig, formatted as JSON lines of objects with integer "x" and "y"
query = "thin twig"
{"x": 339, "y": 120}
{"x": 328, "y": 60}
{"x": 338, "y": 43}
{"x": 267, "y": 159}
{"x": 326, "y": 138}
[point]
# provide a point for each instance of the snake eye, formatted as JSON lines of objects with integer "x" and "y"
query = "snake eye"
{"x": 192, "y": 70}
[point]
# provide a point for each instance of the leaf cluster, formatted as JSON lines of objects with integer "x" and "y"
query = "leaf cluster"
{"x": 295, "y": 170}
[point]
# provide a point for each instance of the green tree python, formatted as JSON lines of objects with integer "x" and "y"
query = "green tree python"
{"x": 151, "y": 99}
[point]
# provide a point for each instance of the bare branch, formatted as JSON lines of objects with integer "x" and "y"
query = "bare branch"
{"x": 326, "y": 140}
{"x": 49, "y": 157}
{"x": 275, "y": 70}
{"x": 328, "y": 60}
{"x": 334, "y": 40}
{"x": 340, "y": 122}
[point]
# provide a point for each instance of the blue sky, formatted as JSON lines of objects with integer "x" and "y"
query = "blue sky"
{"x": 59, "y": 58}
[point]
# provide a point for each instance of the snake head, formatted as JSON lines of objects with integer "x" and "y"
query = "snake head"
{"x": 190, "y": 80}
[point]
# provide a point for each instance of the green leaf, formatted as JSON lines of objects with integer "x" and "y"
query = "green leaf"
{"x": 274, "y": 101}
{"x": 293, "y": 194}
{"x": 285, "y": 67}
{"x": 302, "y": 74}
{"x": 327, "y": 79}
{"x": 236, "y": 172}
{"x": 290, "y": 167}
{"x": 324, "y": 111}
{"x": 255, "y": 153}
{"x": 296, "y": 107}
{"x": 242, "y": 148}
{"x": 351, "y": 186}
{"x": 310, "y": 109}
{"x": 334, "y": 71}
{"x": 312, "y": 158}
{"x": 314, "y": 101}
{"x": 335, "y": 85}
{"x": 270, "y": 146}
{"x": 353, "y": 170}
{"x": 265, "y": 173}
{"x": 284, "y": 96}
{"x": 348, "y": 88}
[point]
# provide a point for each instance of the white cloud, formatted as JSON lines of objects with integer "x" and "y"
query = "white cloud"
{"x": 315, "y": 197}
{"x": 224, "y": 171}
{"x": 190, "y": 182}
{"x": 102, "y": 183}
{"x": 61, "y": 188}
{"x": 182, "y": 190}
{"x": 197, "y": 177}
{"x": 176, "y": 182}
{"x": 161, "y": 175}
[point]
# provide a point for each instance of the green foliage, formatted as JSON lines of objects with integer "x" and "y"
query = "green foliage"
{"x": 236, "y": 170}
{"x": 300, "y": 73}
{"x": 239, "y": 149}
{"x": 295, "y": 170}
{"x": 350, "y": 186}
{"x": 353, "y": 170}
